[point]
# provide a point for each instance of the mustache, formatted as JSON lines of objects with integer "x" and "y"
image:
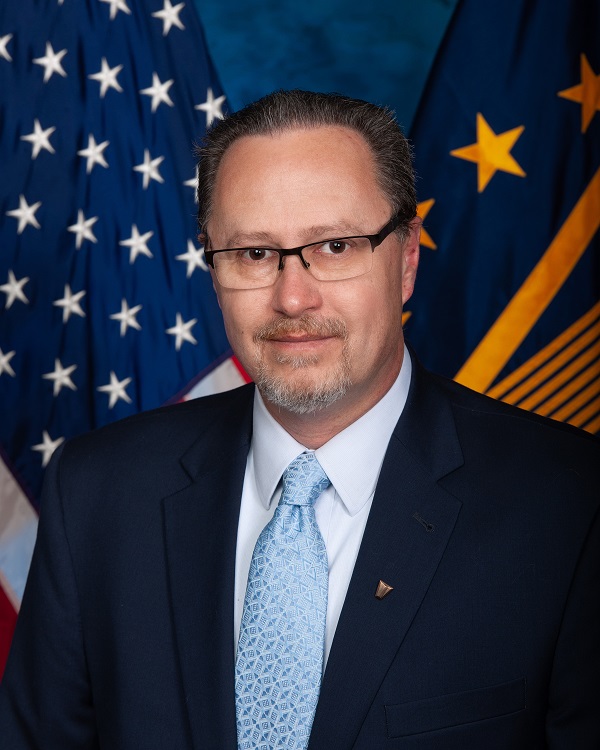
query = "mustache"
{"x": 310, "y": 325}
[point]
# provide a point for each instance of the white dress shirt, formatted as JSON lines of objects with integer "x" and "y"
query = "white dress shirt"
{"x": 352, "y": 460}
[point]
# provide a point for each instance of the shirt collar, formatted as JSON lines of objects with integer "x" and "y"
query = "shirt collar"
{"x": 352, "y": 459}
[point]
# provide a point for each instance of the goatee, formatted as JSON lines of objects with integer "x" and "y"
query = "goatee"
{"x": 302, "y": 395}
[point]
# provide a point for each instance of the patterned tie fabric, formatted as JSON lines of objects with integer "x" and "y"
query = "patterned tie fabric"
{"x": 282, "y": 635}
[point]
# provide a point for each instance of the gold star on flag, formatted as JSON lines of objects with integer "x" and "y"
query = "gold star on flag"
{"x": 491, "y": 152}
{"x": 587, "y": 93}
{"x": 423, "y": 208}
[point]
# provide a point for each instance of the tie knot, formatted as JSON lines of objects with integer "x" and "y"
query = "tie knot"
{"x": 303, "y": 481}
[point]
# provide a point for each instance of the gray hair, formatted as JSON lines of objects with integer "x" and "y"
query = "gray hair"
{"x": 292, "y": 110}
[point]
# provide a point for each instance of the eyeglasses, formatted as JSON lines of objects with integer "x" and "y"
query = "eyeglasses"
{"x": 327, "y": 260}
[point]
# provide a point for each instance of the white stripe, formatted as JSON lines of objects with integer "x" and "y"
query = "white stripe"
{"x": 223, "y": 378}
{"x": 18, "y": 529}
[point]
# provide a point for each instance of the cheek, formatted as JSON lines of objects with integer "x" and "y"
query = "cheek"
{"x": 232, "y": 314}
{"x": 237, "y": 327}
{"x": 375, "y": 315}
{"x": 359, "y": 306}
{"x": 241, "y": 314}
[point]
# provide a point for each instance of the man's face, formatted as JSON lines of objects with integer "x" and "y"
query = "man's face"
{"x": 310, "y": 343}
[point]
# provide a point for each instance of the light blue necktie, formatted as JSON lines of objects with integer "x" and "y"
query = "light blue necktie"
{"x": 282, "y": 635}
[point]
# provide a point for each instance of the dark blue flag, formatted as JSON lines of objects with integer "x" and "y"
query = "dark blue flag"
{"x": 507, "y": 144}
{"x": 106, "y": 305}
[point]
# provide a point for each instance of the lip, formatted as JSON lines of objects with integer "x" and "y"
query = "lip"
{"x": 299, "y": 339}
{"x": 306, "y": 344}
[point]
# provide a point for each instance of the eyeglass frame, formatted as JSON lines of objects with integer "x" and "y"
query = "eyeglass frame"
{"x": 374, "y": 239}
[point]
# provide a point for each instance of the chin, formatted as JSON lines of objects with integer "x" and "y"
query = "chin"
{"x": 303, "y": 392}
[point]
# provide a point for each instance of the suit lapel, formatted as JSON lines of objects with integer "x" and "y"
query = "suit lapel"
{"x": 410, "y": 523}
{"x": 200, "y": 536}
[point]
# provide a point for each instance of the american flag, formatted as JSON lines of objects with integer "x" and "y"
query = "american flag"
{"x": 106, "y": 304}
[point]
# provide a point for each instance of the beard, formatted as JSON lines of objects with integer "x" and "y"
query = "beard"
{"x": 302, "y": 395}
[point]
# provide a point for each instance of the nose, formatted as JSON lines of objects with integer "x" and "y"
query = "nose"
{"x": 295, "y": 291}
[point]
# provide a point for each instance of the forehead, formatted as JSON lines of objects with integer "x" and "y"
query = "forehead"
{"x": 317, "y": 170}
{"x": 334, "y": 140}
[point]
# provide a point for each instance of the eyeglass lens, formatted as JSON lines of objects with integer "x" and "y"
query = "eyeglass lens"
{"x": 332, "y": 260}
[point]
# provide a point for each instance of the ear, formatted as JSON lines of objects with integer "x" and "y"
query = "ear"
{"x": 410, "y": 258}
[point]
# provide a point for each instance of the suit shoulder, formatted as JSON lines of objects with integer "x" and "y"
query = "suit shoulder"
{"x": 482, "y": 406}
{"x": 501, "y": 460}
{"x": 526, "y": 445}
{"x": 171, "y": 427}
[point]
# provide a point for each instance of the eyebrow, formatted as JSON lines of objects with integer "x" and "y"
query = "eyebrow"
{"x": 310, "y": 234}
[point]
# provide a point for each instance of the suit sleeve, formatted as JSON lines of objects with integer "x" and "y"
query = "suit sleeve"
{"x": 45, "y": 696}
{"x": 573, "y": 719}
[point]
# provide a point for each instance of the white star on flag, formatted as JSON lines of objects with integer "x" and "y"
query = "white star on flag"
{"x": 39, "y": 139}
{"x": 4, "y": 40}
{"x": 83, "y": 229}
{"x": 5, "y": 365}
{"x": 47, "y": 447}
{"x": 70, "y": 304}
{"x": 107, "y": 77}
{"x": 25, "y": 214}
{"x": 137, "y": 244}
{"x": 149, "y": 168}
{"x": 61, "y": 377}
{"x": 182, "y": 331}
{"x": 51, "y": 62}
{"x": 159, "y": 92}
{"x": 116, "y": 6}
{"x": 14, "y": 289}
{"x": 116, "y": 390}
{"x": 127, "y": 317}
{"x": 169, "y": 15}
{"x": 193, "y": 181}
{"x": 94, "y": 153}
{"x": 194, "y": 259}
{"x": 212, "y": 107}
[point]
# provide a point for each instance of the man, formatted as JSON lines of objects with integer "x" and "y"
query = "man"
{"x": 460, "y": 537}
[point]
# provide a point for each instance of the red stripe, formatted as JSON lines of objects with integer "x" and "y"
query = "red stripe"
{"x": 8, "y": 618}
{"x": 241, "y": 370}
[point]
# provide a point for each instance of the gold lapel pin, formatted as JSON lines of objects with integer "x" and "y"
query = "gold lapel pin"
{"x": 383, "y": 589}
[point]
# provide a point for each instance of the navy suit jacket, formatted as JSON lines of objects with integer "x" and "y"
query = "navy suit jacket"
{"x": 485, "y": 522}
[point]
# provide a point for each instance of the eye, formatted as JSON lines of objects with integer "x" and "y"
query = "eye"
{"x": 256, "y": 254}
{"x": 334, "y": 247}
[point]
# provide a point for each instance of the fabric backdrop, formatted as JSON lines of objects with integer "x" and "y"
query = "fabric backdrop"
{"x": 381, "y": 51}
